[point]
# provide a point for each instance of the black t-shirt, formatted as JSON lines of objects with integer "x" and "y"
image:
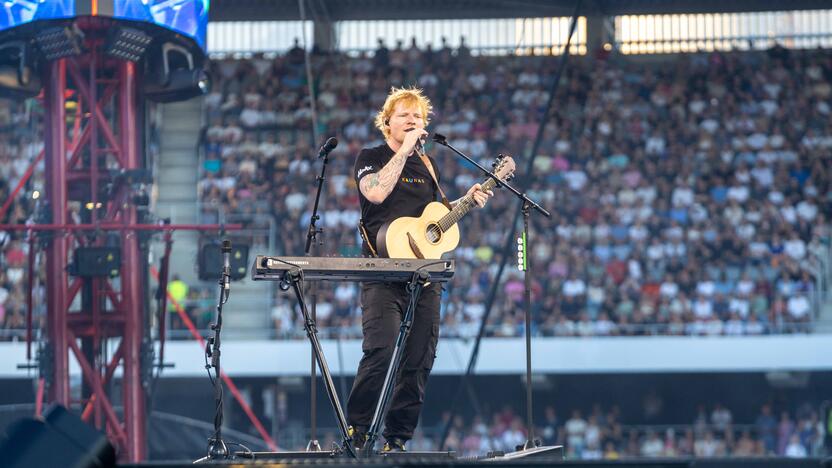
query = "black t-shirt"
{"x": 413, "y": 191}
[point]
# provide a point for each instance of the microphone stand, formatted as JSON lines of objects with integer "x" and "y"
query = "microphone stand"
{"x": 217, "y": 449}
{"x": 528, "y": 204}
{"x": 311, "y": 236}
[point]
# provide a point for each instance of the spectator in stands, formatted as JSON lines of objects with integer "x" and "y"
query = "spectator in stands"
{"x": 575, "y": 429}
{"x": 708, "y": 446}
{"x": 652, "y": 447}
{"x": 785, "y": 430}
{"x": 795, "y": 449}
{"x": 766, "y": 427}
{"x": 721, "y": 418}
{"x": 177, "y": 294}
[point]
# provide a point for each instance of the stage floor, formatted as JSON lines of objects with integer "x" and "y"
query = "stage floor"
{"x": 415, "y": 459}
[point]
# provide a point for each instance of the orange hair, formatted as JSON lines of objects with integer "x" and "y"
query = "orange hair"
{"x": 411, "y": 95}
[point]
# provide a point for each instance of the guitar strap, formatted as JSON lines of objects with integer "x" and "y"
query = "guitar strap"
{"x": 366, "y": 237}
{"x": 427, "y": 163}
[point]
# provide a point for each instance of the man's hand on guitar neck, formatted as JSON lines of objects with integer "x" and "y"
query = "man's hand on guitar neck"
{"x": 479, "y": 195}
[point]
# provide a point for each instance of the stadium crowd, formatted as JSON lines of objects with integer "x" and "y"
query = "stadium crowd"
{"x": 690, "y": 195}
{"x": 20, "y": 144}
{"x": 600, "y": 435}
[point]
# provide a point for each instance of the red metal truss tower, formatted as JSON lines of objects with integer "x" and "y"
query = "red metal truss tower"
{"x": 93, "y": 73}
{"x": 83, "y": 163}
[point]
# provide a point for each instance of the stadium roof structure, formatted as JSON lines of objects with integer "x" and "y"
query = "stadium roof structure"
{"x": 340, "y": 10}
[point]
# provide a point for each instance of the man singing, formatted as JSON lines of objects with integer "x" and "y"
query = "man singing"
{"x": 395, "y": 180}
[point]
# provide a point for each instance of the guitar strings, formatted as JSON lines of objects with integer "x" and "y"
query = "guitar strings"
{"x": 451, "y": 218}
{"x": 445, "y": 223}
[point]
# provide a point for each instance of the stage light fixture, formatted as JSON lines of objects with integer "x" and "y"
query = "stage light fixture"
{"x": 60, "y": 42}
{"x": 128, "y": 43}
{"x": 521, "y": 253}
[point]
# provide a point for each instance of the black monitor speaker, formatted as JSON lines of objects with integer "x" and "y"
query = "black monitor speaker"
{"x": 210, "y": 261}
{"x": 59, "y": 438}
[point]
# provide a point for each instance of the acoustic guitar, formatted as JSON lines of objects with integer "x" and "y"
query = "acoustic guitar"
{"x": 435, "y": 232}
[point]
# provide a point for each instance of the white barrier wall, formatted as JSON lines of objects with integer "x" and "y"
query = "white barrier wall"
{"x": 506, "y": 356}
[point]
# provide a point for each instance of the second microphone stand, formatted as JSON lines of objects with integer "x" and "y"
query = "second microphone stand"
{"x": 217, "y": 448}
{"x": 311, "y": 237}
{"x": 528, "y": 205}
{"x": 311, "y": 326}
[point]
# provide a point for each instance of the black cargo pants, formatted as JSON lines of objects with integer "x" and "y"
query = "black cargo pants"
{"x": 383, "y": 306}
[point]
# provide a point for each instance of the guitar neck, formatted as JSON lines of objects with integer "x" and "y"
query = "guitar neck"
{"x": 463, "y": 207}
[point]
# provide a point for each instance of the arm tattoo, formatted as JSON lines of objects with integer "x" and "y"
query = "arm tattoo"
{"x": 372, "y": 181}
{"x": 383, "y": 181}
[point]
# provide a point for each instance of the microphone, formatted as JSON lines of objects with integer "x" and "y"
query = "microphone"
{"x": 330, "y": 145}
{"x": 419, "y": 147}
{"x": 226, "y": 267}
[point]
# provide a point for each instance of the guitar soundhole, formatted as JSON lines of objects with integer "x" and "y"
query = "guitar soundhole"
{"x": 433, "y": 233}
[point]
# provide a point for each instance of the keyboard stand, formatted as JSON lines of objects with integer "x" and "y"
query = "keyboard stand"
{"x": 415, "y": 286}
{"x": 294, "y": 279}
